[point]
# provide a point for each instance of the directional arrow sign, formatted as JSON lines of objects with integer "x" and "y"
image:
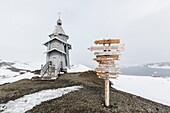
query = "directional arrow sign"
{"x": 105, "y": 59}
{"x": 112, "y": 69}
{"x": 119, "y": 47}
{"x": 107, "y": 62}
{"x": 108, "y": 53}
{"x": 104, "y": 77}
{"x": 107, "y": 65}
{"x": 108, "y": 56}
{"x": 108, "y": 41}
{"x": 106, "y": 73}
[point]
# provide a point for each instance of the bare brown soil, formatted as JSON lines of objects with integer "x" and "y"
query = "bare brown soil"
{"x": 89, "y": 99}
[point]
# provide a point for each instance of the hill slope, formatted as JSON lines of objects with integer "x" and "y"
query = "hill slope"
{"x": 88, "y": 99}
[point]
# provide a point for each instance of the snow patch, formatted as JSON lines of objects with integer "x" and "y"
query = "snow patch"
{"x": 8, "y": 76}
{"x": 78, "y": 68}
{"x": 10, "y": 79}
{"x": 27, "y": 102}
{"x": 155, "y": 89}
{"x": 6, "y": 73}
{"x": 26, "y": 65}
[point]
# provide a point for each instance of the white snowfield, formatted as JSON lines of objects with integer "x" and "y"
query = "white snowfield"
{"x": 8, "y": 76}
{"x": 6, "y": 73}
{"x": 153, "y": 88}
{"x": 78, "y": 68}
{"x": 27, "y": 65}
{"x": 27, "y": 102}
{"x": 12, "y": 78}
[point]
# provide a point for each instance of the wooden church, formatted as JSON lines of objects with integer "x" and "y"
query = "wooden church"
{"x": 57, "y": 54}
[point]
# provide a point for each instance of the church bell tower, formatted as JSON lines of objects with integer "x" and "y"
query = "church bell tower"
{"x": 57, "y": 54}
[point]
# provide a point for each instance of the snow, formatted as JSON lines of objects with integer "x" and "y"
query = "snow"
{"x": 11, "y": 79}
{"x": 8, "y": 76}
{"x": 6, "y": 73}
{"x": 26, "y": 65}
{"x": 152, "y": 88}
{"x": 160, "y": 67}
{"x": 78, "y": 68}
{"x": 27, "y": 102}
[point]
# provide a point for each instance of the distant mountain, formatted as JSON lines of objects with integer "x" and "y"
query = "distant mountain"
{"x": 6, "y": 64}
{"x": 161, "y": 65}
{"x": 12, "y": 66}
{"x": 151, "y": 69}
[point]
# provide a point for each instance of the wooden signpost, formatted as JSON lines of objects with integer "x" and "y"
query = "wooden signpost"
{"x": 106, "y": 55}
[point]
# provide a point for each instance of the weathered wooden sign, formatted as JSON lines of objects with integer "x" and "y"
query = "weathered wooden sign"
{"x": 108, "y": 53}
{"x": 119, "y": 47}
{"x": 108, "y": 41}
{"x": 106, "y": 62}
{"x": 106, "y": 66}
{"x": 111, "y": 69}
{"x": 105, "y": 59}
{"x": 106, "y": 56}
{"x": 104, "y": 77}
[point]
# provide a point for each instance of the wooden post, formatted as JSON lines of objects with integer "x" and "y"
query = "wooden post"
{"x": 106, "y": 92}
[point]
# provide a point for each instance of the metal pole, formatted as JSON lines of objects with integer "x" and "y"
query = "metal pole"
{"x": 106, "y": 92}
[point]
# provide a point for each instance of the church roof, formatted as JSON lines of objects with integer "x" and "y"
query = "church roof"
{"x": 55, "y": 38}
{"x": 55, "y": 49}
{"x": 58, "y": 28}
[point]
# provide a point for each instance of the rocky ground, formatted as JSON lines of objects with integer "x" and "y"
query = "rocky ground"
{"x": 89, "y": 99}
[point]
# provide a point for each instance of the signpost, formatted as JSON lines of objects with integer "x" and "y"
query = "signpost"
{"x": 106, "y": 55}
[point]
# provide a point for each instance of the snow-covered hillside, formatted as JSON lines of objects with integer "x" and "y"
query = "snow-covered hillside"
{"x": 11, "y": 71}
{"x": 156, "y": 89}
{"x": 161, "y": 65}
{"x": 78, "y": 68}
{"x": 153, "y": 88}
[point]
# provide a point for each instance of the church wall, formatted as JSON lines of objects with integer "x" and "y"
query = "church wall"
{"x": 57, "y": 44}
{"x": 57, "y": 58}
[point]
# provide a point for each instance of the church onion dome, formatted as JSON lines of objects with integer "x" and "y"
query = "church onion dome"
{"x": 58, "y": 28}
{"x": 59, "y": 22}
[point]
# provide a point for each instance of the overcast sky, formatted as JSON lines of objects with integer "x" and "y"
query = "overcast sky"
{"x": 143, "y": 25}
